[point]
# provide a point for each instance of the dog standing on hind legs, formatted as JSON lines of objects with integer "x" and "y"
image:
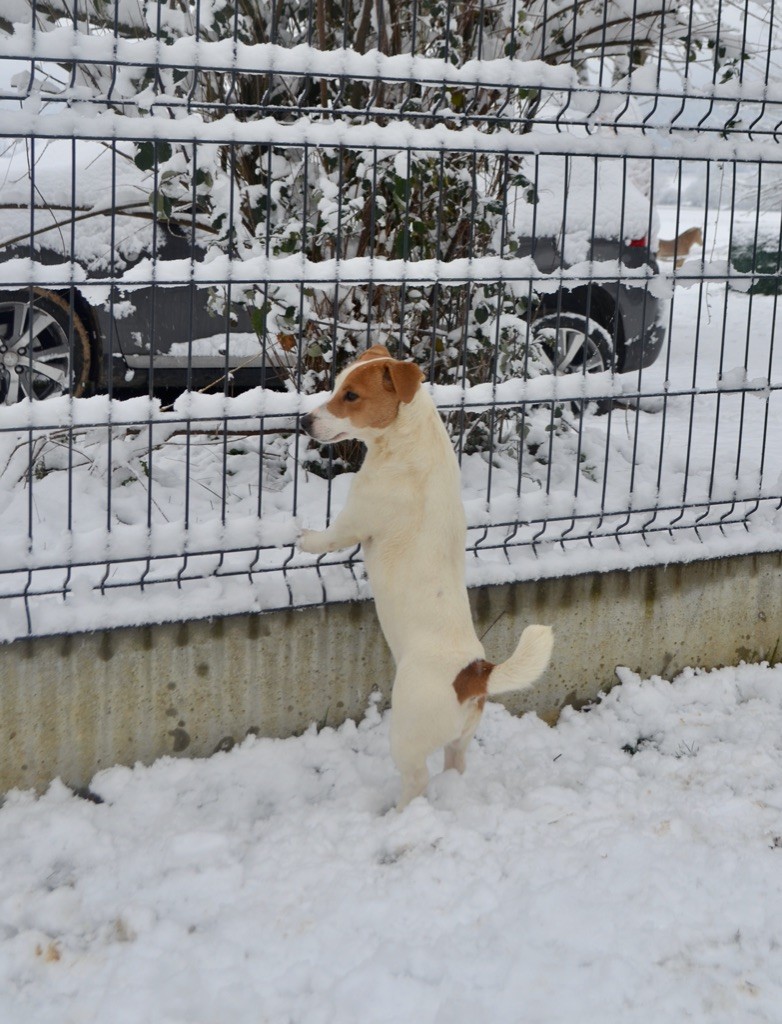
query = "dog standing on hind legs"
{"x": 405, "y": 509}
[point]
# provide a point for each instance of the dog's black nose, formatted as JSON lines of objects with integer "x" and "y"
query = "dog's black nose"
{"x": 306, "y": 423}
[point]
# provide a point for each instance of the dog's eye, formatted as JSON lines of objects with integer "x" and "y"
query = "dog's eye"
{"x": 350, "y": 396}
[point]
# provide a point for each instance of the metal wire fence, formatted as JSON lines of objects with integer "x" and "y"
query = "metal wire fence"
{"x": 566, "y": 212}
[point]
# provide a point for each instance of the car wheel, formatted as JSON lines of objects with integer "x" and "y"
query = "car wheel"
{"x": 44, "y": 347}
{"x": 573, "y": 343}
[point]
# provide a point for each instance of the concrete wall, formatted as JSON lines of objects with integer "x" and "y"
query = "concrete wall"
{"x": 71, "y": 705}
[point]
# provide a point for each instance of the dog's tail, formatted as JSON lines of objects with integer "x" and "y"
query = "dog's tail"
{"x": 527, "y": 662}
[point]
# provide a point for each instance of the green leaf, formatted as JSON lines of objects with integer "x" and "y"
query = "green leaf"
{"x": 161, "y": 205}
{"x": 151, "y": 152}
{"x": 258, "y": 316}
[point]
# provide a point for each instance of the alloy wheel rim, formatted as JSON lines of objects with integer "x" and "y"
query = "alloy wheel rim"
{"x": 575, "y": 351}
{"x": 30, "y": 368}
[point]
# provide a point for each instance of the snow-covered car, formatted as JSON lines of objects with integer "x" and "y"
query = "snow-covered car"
{"x": 601, "y": 323}
{"x": 87, "y": 337}
{"x": 589, "y": 225}
{"x": 84, "y": 212}
{"x": 54, "y": 340}
{"x": 588, "y": 230}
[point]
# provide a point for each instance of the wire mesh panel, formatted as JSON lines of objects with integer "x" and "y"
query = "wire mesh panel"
{"x": 566, "y": 213}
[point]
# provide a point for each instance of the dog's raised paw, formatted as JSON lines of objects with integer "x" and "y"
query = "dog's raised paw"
{"x": 311, "y": 541}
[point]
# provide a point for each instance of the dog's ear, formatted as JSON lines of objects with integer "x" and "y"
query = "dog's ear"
{"x": 376, "y": 352}
{"x": 403, "y": 379}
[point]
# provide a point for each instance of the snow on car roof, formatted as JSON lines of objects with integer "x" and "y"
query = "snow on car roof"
{"x": 574, "y": 198}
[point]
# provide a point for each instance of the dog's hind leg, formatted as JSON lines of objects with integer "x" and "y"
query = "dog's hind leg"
{"x": 415, "y": 779}
{"x": 455, "y": 755}
{"x": 409, "y": 746}
{"x": 409, "y": 756}
{"x": 456, "y": 751}
{"x": 425, "y": 715}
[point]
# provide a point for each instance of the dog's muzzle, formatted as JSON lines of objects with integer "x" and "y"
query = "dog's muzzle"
{"x": 322, "y": 428}
{"x": 307, "y": 423}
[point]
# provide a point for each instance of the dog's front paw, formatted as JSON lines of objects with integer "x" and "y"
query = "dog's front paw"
{"x": 313, "y": 542}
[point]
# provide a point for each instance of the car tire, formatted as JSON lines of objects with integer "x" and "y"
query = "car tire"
{"x": 44, "y": 347}
{"x": 573, "y": 342}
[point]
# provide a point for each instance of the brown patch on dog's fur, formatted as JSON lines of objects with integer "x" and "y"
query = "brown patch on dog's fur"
{"x": 680, "y": 246}
{"x": 472, "y": 683}
{"x": 379, "y": 383}
{"x": 405, "y": 379}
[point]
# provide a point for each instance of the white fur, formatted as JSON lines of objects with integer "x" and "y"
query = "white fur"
{"x": 405, "y": 509}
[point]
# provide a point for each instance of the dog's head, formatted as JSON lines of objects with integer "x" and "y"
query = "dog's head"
{"x": 366, "y": 398}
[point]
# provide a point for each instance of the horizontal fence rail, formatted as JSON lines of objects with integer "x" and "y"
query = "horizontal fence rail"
{"x": 567, "y": 213}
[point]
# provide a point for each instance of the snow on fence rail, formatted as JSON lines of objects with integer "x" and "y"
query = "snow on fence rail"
{"x": 567, "y": 214}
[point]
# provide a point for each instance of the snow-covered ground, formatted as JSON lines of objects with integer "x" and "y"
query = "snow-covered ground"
{"x": 623, "y": 867}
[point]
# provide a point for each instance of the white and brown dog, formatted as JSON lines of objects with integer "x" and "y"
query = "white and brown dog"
{"x": 405, "y": 509}
{"x": 679, "y": 248}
